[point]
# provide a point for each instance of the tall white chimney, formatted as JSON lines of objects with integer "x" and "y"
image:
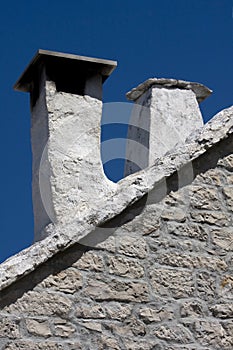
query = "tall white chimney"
{"x": 66, "y": 108}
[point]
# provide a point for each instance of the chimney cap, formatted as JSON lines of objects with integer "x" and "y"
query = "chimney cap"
{"x": 63, "y": 61}
{"x": 201, "y": 91}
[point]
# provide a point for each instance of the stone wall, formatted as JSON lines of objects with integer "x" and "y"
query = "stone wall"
{"x": 161, "y": 280}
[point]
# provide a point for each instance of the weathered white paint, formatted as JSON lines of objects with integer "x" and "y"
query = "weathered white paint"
{"x": 164, "y": 115}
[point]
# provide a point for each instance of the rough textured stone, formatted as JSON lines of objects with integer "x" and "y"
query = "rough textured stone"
{"x": 173, "y": 258}
{"x": 206, "y": 285}
{"x": 68, "y": 282}
{"x": 63, "y": 329}
{"x": 205, "y": 198}
{"x": 117, "y": 311}
{"x": 212, "y": 218}
{"x": 175, "y": 214}
{"x": 111, "y": 310}
{"x": 214, "y": 177}
{"x": 225, "y": 287}
{"x": 90, "y": 261}
{"x": 109, "y": 343}
{"x": 227, "y": 162}
{"x": 114, "y": 289}
{"x": 32, "y": 302}
{"x": 156, "y": 314}
{"x": 222, "y": 310}
{"x": 38, "y": 327}
{"x": 131, "y": 327}
{"x": 9, "y": 328}
{"x": 93, "y": 311}
{"x": 192, "y": 308}
{"x": 142, "y": 345}
{"x": 132, "y": 246}
{"x": 228, "y": 192}
{"x": 176, "y": 333}
{"x": 211, "y": 333}
{"x": 222, "y": 238}
{"x": 172, "y": 283}
{"x": 122, "y": 266}
{"x": 29, "y": 345}
{"x": 190, "y": 230}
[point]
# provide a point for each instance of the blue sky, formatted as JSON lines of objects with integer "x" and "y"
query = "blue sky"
{"x": 184, "y": 39}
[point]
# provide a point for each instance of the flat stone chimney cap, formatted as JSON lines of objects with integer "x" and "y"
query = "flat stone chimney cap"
{"x": 201, "y": 91}
{"x": 63, "y": 64}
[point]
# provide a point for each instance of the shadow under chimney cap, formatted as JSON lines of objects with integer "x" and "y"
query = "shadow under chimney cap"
{"x": 201, "y": 91}
{"x": 65, "y": 61}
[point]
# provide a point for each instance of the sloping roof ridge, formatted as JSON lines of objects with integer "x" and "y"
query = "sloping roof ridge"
{"x": 129, "y": 190}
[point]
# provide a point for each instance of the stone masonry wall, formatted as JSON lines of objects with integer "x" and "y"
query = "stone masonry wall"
{"x": 160, "y": 281}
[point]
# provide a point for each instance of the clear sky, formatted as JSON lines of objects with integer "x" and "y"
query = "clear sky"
{"x": 184, "y": 39}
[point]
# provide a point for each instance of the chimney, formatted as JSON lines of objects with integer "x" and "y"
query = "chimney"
{"x": 165, "y": 113}
{"x": 66, "y": 109}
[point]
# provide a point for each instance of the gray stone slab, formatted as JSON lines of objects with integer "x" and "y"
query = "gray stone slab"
{"x": 201, "y": 91}
{"x": 74, "y": 64}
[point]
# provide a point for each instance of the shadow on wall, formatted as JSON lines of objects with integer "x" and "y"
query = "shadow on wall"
{"x": 65, "y": 259}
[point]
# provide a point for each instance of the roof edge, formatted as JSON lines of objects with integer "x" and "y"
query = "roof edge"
{"x": 129, "y": 190}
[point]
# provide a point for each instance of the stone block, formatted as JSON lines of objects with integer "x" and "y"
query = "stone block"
{"x": 63, "y": 328}
{"x": 130, "y": 328}
{"x": 117, "y": 311}
{"x": 90, "y": 310}
{"x": 222, "y": 310}
{"x": 205, "y": 198}
{"x": 31, "y": 304}
{"x": 185, "y": 347}
{"x": 29, "y": 345}
{"x": 227, "y": 163}
{"x": 92, "y": 326}
{"x": 68, "y": 281}
{"x": 90, "y": 261}
{"x": 217, "y": 218}
{"x": 225, "y": 287}
{"x": 193, "y": 308}
{"x": 133, "y": 246}
{"x": 212, "y": 334}
{"x": 9, "y": 327}
{"x": 110, "y": 310}
{"x": 172, "y": 283}
{"x": 109, "y": 244}
{"x": 150, "y": 313}
{"x": 122, "y": 266}
{"x": 39, "y": 327}
{"x": 187, "y": 230}
{"x": 222, "y": 238}
{"x": 115, "y": 289}
{"x": 174, "y": 214}
{"x": 191, "y": 261}
{"x": 108, "y": 342}
{"x": 172, "y": 333}
{"x": 228, "y": 193}
{"x": 206, "y": 285}
{"x": 214, "y": 177}
{"x": 147, "y": 344}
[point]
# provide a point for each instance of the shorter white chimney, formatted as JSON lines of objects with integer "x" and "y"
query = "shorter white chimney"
{"x": 165, "y": 113}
